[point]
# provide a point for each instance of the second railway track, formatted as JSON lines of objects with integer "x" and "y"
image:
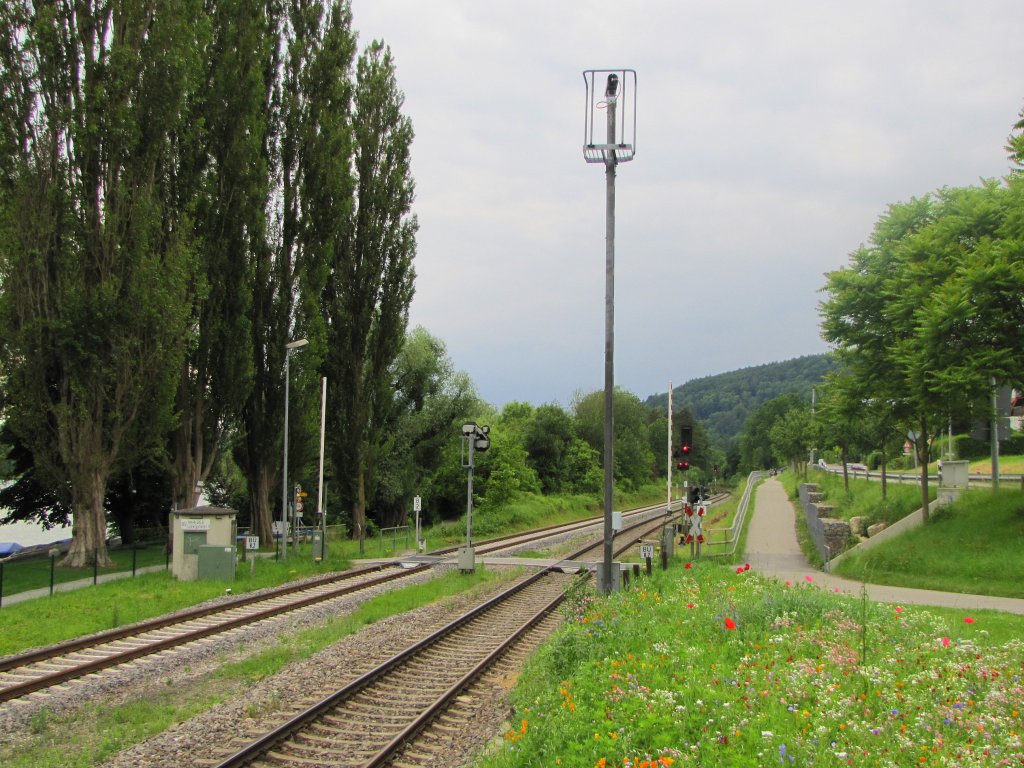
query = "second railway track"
{"x": 24, "y": 674}
{"x": 389, "y": 715}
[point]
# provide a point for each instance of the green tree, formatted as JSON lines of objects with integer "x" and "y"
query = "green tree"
{"x": 756, "y": 450}
{"x": 504, "y": 473}
{"x": 548, "y": 436}
{"x": 229, "y": 168}
{"x": 925, "y": 316}
{"x": 634, "y": 461}
{"x": 367, "y": 252}
{"x": 428, "y": 401}
{"x": 970, "y": 327}
{"x": 95, "y": 257}
{"x": 1015, "y": 145}
{"x": 792, "y": 435}
{"x": 273, "y": 272}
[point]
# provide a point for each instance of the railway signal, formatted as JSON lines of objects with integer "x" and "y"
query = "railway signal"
{"x": 685, "y": 449}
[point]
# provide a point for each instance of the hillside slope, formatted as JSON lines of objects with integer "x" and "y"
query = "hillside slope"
{"x": 723, "y": 402}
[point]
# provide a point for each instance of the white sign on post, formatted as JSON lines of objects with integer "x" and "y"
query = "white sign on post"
{"x": 647, "y": 551}
{"x": 252, "y": 542}
{"x": 417, "y": 504}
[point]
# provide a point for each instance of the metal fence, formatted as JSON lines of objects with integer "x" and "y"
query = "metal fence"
{"x": 37, "y": 573}
{"x": 914, "y": 478}
{"x": 730, "y": 537}
{"x": 388, "y": 538}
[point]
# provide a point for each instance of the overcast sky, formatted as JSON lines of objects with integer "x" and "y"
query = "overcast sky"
{"x": 770, "y": 138}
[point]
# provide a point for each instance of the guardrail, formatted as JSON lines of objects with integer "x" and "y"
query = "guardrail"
{"x": 915, "y": 478}
{"x": 731, "y": 535}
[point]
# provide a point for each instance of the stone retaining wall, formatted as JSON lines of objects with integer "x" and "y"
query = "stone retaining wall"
{"x": 831, "y": 535}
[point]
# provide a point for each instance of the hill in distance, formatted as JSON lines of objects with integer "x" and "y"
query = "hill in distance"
{"x": 723, "y": 402}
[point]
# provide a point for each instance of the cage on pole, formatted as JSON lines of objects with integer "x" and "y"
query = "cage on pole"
{"x": 607, "y": 87}
{"x": 619, "y": 146}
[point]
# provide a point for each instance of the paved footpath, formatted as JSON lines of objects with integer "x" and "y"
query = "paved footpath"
{"x": 772, "y": 550}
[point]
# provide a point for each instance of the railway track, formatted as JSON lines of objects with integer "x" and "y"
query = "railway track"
{"x": 392, "y": 714}
{"x": 24, "y": 674}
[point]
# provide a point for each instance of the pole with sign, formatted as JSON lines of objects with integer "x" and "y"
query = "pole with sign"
{"x": 417, "y": 506}
{"x": 252, "y": 543}
{"x": 647, "y": 553}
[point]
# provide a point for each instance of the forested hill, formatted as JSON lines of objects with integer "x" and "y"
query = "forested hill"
{"x": 722, "y": 402}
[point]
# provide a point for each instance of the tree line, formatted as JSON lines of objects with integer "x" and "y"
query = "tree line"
{"x": 185, "y": 188}
{"x": 925, "y": 321}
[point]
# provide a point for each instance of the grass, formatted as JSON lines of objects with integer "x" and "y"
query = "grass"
{"x": 713, "y": 668}
{"x": 975, "y": 545}
{"x": 1012, "y": 465}
{"x": 94, "y": 733}
{"x": 65, "y": 615}
{"x": 112, "y": 604}
{"x": 23, "y": 575}
{"x": 864, "y": 497}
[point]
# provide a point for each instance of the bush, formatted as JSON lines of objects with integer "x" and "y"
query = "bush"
{"x": 968, "y": 448}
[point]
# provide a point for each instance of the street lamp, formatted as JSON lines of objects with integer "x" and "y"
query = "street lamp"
{"x": 620, "y": 85}
{"x": 290, "y": 347}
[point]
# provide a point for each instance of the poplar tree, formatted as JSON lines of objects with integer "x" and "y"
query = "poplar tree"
{"x": 95, "y": 256}
{"x": 368, "y": 283}
{"x": 230, "y": 169}
{"x": 273, "y": 275}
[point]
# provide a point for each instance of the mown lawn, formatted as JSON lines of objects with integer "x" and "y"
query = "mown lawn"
{"x": 710, "y": 667}
{"x": 975, "y": 545}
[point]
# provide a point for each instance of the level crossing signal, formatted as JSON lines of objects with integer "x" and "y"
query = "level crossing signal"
{"x": 685, "y": 449}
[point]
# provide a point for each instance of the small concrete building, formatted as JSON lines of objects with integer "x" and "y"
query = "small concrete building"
{"x": 203, "y": 543}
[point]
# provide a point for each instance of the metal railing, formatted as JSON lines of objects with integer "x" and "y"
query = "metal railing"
{"x": 914, "y": 478}
{"x": 731, "y": 536}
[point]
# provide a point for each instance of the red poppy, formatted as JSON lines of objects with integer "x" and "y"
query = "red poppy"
{"x": 968, "y": 620}
{"x": 739, "y": 570}
{"x": 689, "y": 605}
{"x": 729, "y": 623}
{"x": 746, "y": 567}
{"x": 808, "y": 578}
{"x": 688, "y": 565}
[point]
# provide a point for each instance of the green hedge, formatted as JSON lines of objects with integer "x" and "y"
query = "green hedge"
{"x": 969, "y": 448}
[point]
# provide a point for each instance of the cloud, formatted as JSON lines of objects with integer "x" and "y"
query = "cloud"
{"x": 770, "y": 138}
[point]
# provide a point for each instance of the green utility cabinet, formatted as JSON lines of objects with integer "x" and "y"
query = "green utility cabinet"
{"x": 216, "y": 562}
{"x": 319, "y": 546}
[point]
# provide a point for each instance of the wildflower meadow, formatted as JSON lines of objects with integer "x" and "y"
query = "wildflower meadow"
{"x": 717, "y": 666}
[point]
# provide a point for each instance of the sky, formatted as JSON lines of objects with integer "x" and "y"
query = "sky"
{"x": 770, "y": 137}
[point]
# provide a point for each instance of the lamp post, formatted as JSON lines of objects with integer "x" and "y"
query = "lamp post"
{"x": 288, "y": 349}
{"x": 610, "y": 154}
